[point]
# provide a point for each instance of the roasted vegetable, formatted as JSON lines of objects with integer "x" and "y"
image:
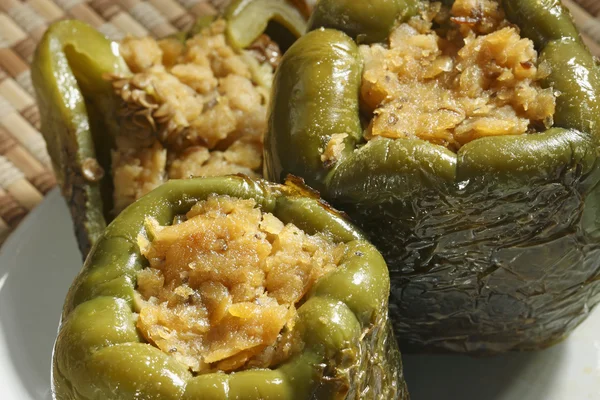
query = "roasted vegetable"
{"x": 348, "y": 347}
{"x": 108, "y": 129}
{"x": 249, "y": 19}
{"x": 491, "y": 247}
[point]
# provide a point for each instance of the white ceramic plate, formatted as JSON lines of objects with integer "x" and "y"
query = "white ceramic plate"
{"x": 40, "y": 259}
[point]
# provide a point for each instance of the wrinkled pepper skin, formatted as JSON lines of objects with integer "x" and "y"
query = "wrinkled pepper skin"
{"x": 77, "y": 104}
{"x": 493, "y": 248}
{"x": 350, "y": 351}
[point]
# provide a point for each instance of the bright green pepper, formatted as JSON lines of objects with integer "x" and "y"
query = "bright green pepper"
{"x": 77, "y": 104}
{"x": 67, "y": 119}
{"x": 493, "y": 248}
{"x": 349, "y": 347}
{"x": 248, "y": 19}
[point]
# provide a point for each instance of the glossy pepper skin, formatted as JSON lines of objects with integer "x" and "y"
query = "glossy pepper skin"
{"x": 349, "y": 351}
{"x": 493, "y": 248}
{"x": 77, "y": 104}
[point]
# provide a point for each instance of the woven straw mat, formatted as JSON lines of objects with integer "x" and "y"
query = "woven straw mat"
{"x": 25, "y": 171}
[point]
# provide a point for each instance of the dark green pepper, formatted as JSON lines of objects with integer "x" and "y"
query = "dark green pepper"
{"x": 349, "y": 351}
{"x": 490, "y": 249}
{"x": 77, "y": 104}
{"x": 364, "y": 21}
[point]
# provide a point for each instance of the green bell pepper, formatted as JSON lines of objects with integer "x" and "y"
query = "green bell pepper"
{"x": 349, "y": 346}
{"x": 490, "y": 249}
{"x": 248, "y": 19}
{"x": 77, "y": 104}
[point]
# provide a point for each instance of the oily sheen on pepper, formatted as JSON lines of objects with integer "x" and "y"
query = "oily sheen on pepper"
{"x": 493, "y": 243}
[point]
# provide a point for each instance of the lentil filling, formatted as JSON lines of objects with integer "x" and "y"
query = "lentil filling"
{"x": 197, "y": 108}
{"x": 223, "y": 284}
{"x": 452, "y": 75}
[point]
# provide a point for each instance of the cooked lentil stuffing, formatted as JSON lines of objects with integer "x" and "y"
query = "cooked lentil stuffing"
{"x": 222, "y": 286}
{"x": 189, "y": 109}
{"x": 452, "y": 75}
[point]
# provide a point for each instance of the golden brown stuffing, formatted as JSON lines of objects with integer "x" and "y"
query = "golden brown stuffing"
{"x": 202, "y": 103}
{"x": 334, "y": 148}
{"x": 136, "y": 172}
{"x": 221, "y": 289}
{"x": 472, "y": 76}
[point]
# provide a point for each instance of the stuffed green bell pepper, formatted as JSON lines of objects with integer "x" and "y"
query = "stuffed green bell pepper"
{"x": 121, "y": 118}
{"x": 463, "y": 139}
{"x": 229, "y": 288}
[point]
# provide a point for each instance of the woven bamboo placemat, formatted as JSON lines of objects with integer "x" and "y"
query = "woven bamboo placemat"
{"x": 25, "y": 172}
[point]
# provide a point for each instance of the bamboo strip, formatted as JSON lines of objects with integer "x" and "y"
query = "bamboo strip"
{"x": 168, "y": 8}
{"x": 31, "y": 168}
{"x": 79, "y": 9}
{"x": 592, "y": 6}
{"x": 7, "y": 143}
{"x": 124, "y": 22}
{"x": 121, "y": 20}
{"x": 16, "y": 67}
{"x": 11, "y": 212}
{"x": 43, "y": 182}
{"x": 47, "y": 10}
{"x": 591, "y": 44}
{"x": 149, "y": 17}
{"x": 185, "y": 22}
{"x": 587, "y": 24}
{"x": 188, "y": 3}
{"x": 68, "y": 4}
{"x": 219, "y": 4}
{"x": 106, "y": 8}
{"x": 127, "y": 4}
{"x": 85, "y": 13}
{"x": 14, "y": 182}
{"x": 12, "y": 63}
{"x": 27, "y": 135}
{"x": 25, "y": 48}
{"x": 24, "y": 79}
{"x": 41, "y": 177}
{"x": 10, "y": 31}
{"x": 22, "y": 130}
{"x": 15, "y": 95}
{"x": 21, "y": 101}
{"x": 202, "y": 8}
{"x": 32, "y": 115}
{"x": 25, "y": 17}
{"x": 27, "y": 195}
